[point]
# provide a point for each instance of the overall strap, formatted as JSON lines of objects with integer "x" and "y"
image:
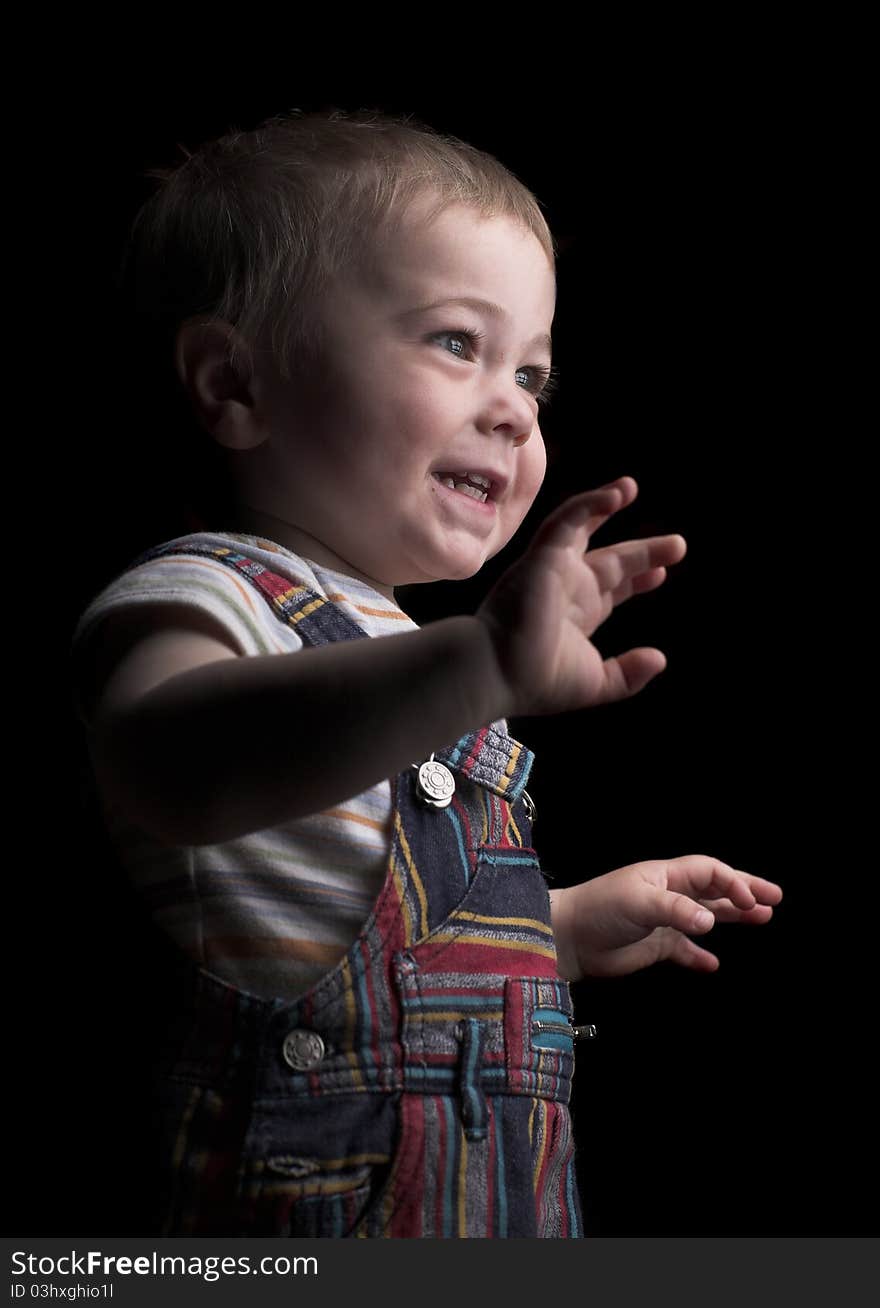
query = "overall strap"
{"x": 490, "y": 757}
{"x": 316, "y": 620}
{"x": 493, "y": 759}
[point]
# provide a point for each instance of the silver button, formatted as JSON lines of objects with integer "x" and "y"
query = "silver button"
{"x": 302, "y": 1049}
{"x": 436, "y": 784}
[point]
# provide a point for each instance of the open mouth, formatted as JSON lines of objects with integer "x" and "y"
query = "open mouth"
{"x": 472, "y": 484}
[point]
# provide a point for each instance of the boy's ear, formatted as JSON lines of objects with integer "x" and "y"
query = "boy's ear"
{"x": 219, "y": 389}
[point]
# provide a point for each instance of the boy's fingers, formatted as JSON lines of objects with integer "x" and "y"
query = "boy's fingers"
{"x": 724, "y": 911}
{"x": 666, "y": 908}
{"x": 709, "y": 878}
{"x": 626, "y": 674}
{"x": 639, "y": 585}
{"x": 618, "y": 566}
{"x": 766, "y": 892}
{"x": 574, "y": 521}
{"x": 688, "y": 954}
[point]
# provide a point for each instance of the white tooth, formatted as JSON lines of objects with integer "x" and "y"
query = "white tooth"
{"x": 447, "y": 481}
{"x": 472, "y": 491}
{"x": 481, "y": 481}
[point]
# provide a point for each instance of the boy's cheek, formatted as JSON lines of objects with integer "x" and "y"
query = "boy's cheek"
{"x": 535, "y": 464}
{"x": 525, "y": 496}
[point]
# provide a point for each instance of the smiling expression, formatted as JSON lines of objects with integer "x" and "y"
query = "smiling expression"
{"x": 366, "y": 456}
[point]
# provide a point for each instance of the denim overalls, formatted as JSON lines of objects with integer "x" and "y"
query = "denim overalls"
{"x": 421, "y": 1087}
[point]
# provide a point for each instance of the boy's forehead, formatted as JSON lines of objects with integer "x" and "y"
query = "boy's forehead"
{"x": 459, "y": 251}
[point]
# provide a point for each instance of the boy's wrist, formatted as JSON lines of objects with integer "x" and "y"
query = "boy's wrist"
{"x": 565, "y": 965}
{"x": 489, "y": 697}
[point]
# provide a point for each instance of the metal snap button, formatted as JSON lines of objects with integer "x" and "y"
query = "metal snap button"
{"x": 435, "y": 784}
{"x": 302, "y": 1049}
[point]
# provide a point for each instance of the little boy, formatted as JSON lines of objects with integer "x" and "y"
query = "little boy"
{"x": 374, "y": 1035}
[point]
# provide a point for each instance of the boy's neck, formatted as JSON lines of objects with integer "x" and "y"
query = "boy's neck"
{"x": 253, "y": 522}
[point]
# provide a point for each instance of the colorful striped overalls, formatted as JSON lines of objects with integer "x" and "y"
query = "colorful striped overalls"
{"x": 421, "y": 1087}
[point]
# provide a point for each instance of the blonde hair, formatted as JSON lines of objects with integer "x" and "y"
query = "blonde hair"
{"x": 250, "y": 228}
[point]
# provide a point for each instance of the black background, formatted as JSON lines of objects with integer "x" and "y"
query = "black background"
{"x": 702, "y": 210}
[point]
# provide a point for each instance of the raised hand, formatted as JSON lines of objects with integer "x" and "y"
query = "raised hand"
{"x": 640, "y": 914}
{"x": 543, "y": 610}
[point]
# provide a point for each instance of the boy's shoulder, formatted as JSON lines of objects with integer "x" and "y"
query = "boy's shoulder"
{"x": 372, "y": 611}
{"x": 223, "y": 546}
{"x": 201, "y": 571}
{"x": 220, "y": 584}
{"x": 223, "y": 573}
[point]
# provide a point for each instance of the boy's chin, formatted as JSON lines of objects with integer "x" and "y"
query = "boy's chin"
{"x": 439, "y": 564}
{"x": 456, "y": 564}
{"x": 440, "y": 571}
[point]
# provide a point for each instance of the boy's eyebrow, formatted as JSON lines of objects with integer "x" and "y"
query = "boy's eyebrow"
{"x": 487, "y": 306}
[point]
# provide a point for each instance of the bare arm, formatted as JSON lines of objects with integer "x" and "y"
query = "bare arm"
{"x": 199, "y": 745}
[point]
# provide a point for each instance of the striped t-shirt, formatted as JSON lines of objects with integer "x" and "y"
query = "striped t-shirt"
{"x": 271, "y": 911}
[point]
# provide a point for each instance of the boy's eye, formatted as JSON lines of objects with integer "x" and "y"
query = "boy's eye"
{"x": 456, "y": 337}
{"x": 543, "y": 380}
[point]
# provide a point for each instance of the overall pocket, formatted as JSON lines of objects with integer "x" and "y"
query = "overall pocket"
{"x": 323, "y": 1167}
{"x": 302, "y": 1196}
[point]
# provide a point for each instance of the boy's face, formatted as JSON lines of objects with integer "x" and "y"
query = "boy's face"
{"x": 359, "y": 449}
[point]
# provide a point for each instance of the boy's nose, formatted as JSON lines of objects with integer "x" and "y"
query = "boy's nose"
{"x": 513, "y": 414}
